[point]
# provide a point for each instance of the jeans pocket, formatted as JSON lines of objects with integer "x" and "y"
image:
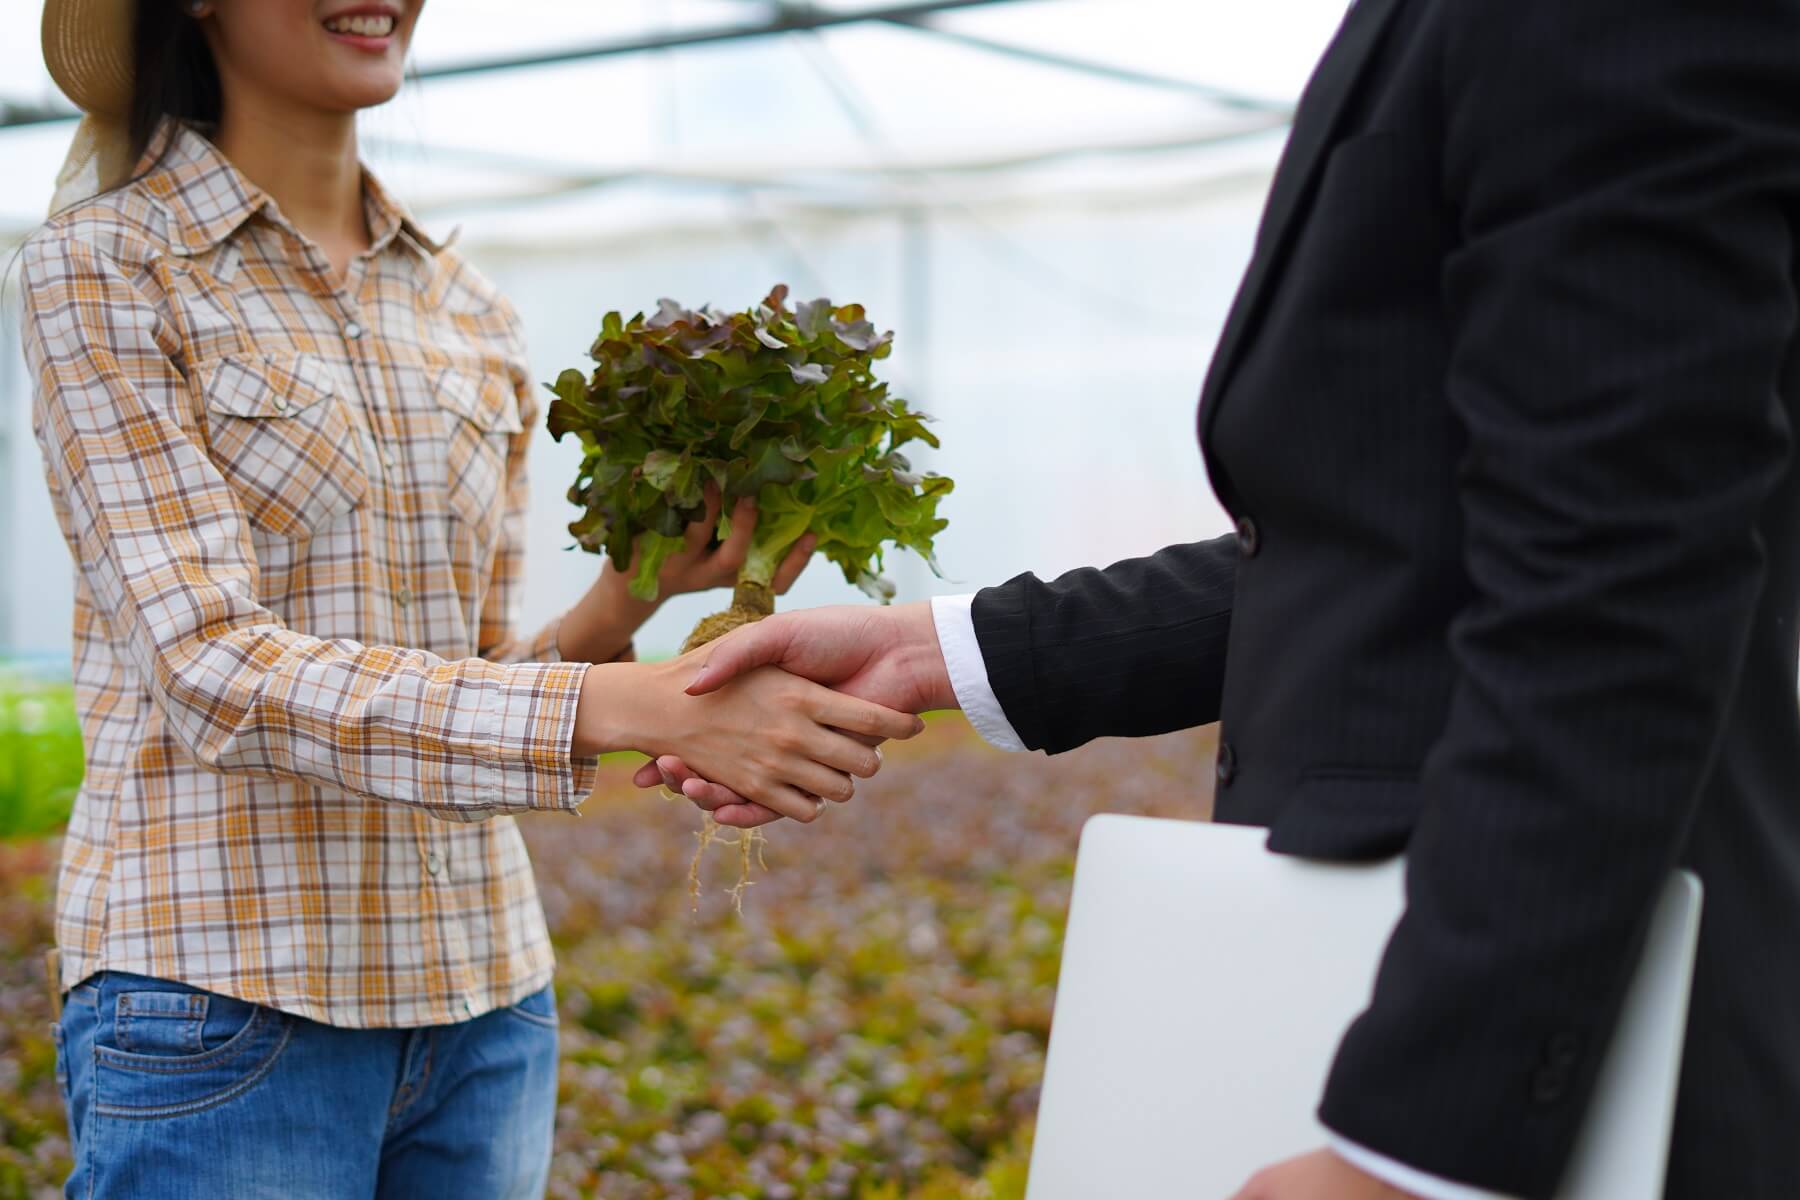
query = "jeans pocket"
{"x": 159, "y": 1023}
{"x": 539, "y": 1008}
{"x": 172, "y": 1052}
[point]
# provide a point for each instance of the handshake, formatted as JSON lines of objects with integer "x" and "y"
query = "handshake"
{"x": 775, "y": 718}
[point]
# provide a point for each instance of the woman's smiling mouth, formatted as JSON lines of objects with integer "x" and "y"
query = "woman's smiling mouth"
{"x": 362, "y": 27}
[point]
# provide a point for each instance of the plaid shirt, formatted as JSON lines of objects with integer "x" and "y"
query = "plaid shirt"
{"x": 296, "y": 508}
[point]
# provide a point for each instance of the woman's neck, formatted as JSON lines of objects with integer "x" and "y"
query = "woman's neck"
{"x": 307, "y": 162}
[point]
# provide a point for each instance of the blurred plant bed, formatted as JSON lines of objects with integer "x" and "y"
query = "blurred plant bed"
{"x": 34, "y": 1149}
{"x": 872, "y": 1028}
{"x": 40, "y": 754}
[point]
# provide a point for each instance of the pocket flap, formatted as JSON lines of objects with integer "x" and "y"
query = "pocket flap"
{"x": 266, "y": 385}
{"x": 1353, "y": 814}
{"x": 488, "y": 403}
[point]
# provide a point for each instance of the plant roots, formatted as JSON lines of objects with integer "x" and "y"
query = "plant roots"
{"x": 749, "y": 602}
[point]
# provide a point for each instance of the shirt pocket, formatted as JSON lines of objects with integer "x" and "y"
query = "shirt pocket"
{"x": 280, "y": 436}
{"x": 481, "y": 419}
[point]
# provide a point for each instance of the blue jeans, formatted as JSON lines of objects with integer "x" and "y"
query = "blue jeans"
{"x": 177, "y": 1093}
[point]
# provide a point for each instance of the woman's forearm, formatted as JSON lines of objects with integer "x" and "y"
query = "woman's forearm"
{"x": 599, "y": 628}
{"x": 614, "y": 711}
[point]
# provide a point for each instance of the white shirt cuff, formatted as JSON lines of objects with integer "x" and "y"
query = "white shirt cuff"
{"x": 1406, "y": 1178}
{"x": 954, "y": 617}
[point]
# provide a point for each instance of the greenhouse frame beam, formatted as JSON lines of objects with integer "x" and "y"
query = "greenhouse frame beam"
{"x": 15, "y": 115}
{"x": 923, "y": 23}
{"x": 803, "y": 175}
{"x": 786, "y": 20}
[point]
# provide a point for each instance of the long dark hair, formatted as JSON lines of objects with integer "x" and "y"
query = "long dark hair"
{"x": 173, "y": 74}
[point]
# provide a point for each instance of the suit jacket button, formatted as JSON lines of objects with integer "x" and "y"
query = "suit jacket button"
{"x": 1249, "y": 538}
{"x": 1549, "y": 1084}
{"x": 1562, "y": 1050}
{"x": 1227, "y": 765}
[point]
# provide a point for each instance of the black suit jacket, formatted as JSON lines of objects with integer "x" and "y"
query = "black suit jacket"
{"x": 1505, "y": 412}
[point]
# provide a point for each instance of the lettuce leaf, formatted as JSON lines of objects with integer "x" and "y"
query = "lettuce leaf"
{"x": 770, "y": 403}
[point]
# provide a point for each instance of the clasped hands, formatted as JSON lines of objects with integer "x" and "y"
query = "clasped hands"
{"x": 773, "y": 720}
{"x": 874, "y": 659}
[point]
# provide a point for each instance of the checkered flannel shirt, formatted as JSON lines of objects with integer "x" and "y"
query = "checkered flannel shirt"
{"x": 296, "y": 506}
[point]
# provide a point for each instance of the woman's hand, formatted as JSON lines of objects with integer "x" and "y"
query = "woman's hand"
{"x": 600, "y": 627}
{"x": 701, "y": 565}
{"x": 777, "y": 740}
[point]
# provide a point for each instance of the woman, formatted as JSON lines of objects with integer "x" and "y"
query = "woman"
{"x": 285, "y": 433}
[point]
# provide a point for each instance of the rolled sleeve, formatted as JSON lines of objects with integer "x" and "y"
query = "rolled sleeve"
{"x": 534, "y": 719}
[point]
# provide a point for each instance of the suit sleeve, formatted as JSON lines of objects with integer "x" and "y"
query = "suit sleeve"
{"x": 1623, "y": 309}
{"x": 1132, "y": 650}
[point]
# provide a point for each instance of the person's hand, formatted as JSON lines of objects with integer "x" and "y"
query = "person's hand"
{"x": 888, "y": 655}
{"x": 778, "y": 741}
{"x": 700, "y": 565}
{"x": 1320, "y": 1175}
{"x": 726, "y": 806}
{"x": 603, "y": 622}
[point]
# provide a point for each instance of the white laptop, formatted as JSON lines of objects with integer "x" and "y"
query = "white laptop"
{"x": 1206, "y": 982}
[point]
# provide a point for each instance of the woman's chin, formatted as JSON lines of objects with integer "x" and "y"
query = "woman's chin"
{"x": 367, "y": 90}
{"x": 351, "y": 80}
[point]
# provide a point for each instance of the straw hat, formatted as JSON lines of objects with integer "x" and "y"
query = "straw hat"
{"x": 87, "y": 48}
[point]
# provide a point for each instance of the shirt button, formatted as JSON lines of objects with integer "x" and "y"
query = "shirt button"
{"x": 353, "y": 331}
{"x": 1249, "y": 537}
{"x": 468, "y": 1007}
{"x": 281, "y": 404}
{"x": 390, "y": 461}
{"x": 404, "y": 597}
{"x": 1227, "y": 765}
{"x": 433, "y": 864}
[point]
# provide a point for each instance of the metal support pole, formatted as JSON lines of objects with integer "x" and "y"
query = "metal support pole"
{"x": 915, "y": 307}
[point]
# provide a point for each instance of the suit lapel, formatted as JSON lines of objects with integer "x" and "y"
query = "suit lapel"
{"x": 1316, "y": 122}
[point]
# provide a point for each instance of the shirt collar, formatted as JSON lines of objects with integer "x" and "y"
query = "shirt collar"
{"x": 388, "y": 218}
{"x": 208, "y": 199}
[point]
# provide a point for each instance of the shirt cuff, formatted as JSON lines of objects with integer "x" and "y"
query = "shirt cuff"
{"x": 954, "y": 617}
{"x": 531, "y": 723}
{"x": 1407, "y": 1179}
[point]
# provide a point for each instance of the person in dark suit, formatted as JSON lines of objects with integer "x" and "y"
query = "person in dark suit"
{"x": 1504, "y": 412}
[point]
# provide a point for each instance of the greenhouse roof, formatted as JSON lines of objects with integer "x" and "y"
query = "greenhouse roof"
{"x": 536, "y": 119}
